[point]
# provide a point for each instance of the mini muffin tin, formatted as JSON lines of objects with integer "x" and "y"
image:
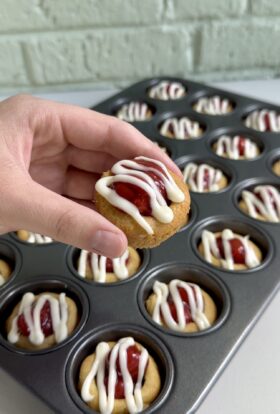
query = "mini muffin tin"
{"x": 189, "y": 363}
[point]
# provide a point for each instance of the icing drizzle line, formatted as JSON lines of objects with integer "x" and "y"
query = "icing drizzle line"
{"x": 98, "y": 266}
{"x": 134, "y": 111}
{"x": 268, "y": 205}
{"x": 195, "y": 176}
{"x": 182, "y": 128}
{"x": 166, "y": 90}
{"x": 195, "y": 300}
{"x": 133, "y": 395}
{"x": 38, "y": 238}
{"x": 210, "y": 246}
{"x": 263, "y": 120}
{"x": 130, "y": 171}
{"x": 213, "y": 105}
{"x": 231, "y": 147}
{"x": 59, "y": 317}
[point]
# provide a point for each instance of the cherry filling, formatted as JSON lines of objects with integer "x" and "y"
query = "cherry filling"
{"x": 271, "y": 197}
{"x": 187, "y": 310}
{"x": 137, "y": 195}
{"x": 206, "y": 179}
{"x": 109, "y": 263}
{"x": 237, "y": 250}
{"x": 45, "y": 321}
{"x": 267, "y": 121}
{"x": 241, "y": 146}
{"x": 133, "y": 357}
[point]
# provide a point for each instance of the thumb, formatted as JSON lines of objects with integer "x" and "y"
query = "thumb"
{"x": 35, "y": 208}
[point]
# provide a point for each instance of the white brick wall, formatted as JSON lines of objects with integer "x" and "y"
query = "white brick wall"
{"x": 80, "y": 43}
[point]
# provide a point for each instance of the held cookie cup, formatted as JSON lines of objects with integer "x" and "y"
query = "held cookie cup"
{"x": 150, "y": 389}
{"x": 24, "y": 342}
{"x": 136, "y": 235}
{"x": 209, "y": 312}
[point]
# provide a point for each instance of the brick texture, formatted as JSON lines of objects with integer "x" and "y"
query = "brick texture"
{"x": 70, "y": 44}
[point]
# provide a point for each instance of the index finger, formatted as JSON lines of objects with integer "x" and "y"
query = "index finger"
{"x": 90, "y": 130}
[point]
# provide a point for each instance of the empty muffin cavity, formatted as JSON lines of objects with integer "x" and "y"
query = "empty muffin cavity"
{"x": 184, "y": 299}
{"x": 157, "y": 379}
{"x": 213, "y": 105}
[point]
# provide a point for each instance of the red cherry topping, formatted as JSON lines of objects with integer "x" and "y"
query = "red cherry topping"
{"x": 267, "y": 122}
{"x": 271, "y": 197}
{"x": 185, "y": 300}
{"x": 109, "y": 264}
{"x": 133, "y": 356}
{"x": 206, "y": 179}
{"x": 241, "y": 146}
{"x": 237, "y": 249}
{"x": 137, "y": 195}
{"x": 45, "y": 320}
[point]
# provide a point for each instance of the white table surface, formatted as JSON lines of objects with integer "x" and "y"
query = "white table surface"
{"x": 251, "y": 380}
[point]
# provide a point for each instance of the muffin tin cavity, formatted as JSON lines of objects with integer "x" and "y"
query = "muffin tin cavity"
{"x": 167, "y": 90}
{"x": 73, "y": 260}
{"x": 87, "y": 345}
{"x": 181, "y": 127}
{"x": 42, "y": 285}
{"x": 205, "y": 175}
{"x": 260, "y": 254}
{"x": 259, "y": 199}
{"x": 263, "y": 120}
{"x": 134, "y": 111}
{"x": 213, "y": 105}
{"x": 10, "y": 263}
{"x": 237, "y": 146}
{"x": 192, "y": 274}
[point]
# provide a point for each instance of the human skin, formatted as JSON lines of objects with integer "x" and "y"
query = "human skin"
{"x": 51, "y": 155}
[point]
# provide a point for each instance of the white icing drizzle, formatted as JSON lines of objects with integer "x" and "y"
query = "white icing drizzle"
{"x": 38, "y": 238}
{"x": 227, "y": 146}
{"x": 214, "y": 105}
{"x": 182, "y": 128}
{"x": 133, "y": 395}
{"x": 194, "y": 177}
{"x": 166, "y": 90}
{"x": 130, "y": 171}
{"x": 258, "y": 120}
{"x": 195, "y": 300}
{"x": 134, "y": 111}
{"x": 59, "y": 317}
{"x": 2, "y": 280}
{"x": 98, "y": 266}
{"x": 210, "y": 246}
{"x": 269, "y": 196}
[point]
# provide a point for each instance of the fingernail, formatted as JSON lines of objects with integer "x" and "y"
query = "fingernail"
{"x": 108, "y": 243}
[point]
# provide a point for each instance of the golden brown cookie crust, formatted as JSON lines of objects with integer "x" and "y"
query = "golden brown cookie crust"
{"x": 49, "y": 341}
{"x": 149, "y": 390}
{"x": 210, "y": 311}
{"x": 137, "y": 237}
{"x": 218, "y": 263}
{"x": 23, "y": 235}
{"x": 276, "y": 167}
{"x": 134, "y": 262}
{"x": 241, "y": 157}
{"x": 5, "y": 270}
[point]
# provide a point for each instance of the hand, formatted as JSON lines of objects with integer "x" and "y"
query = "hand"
{"x": 50, "y": 158}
